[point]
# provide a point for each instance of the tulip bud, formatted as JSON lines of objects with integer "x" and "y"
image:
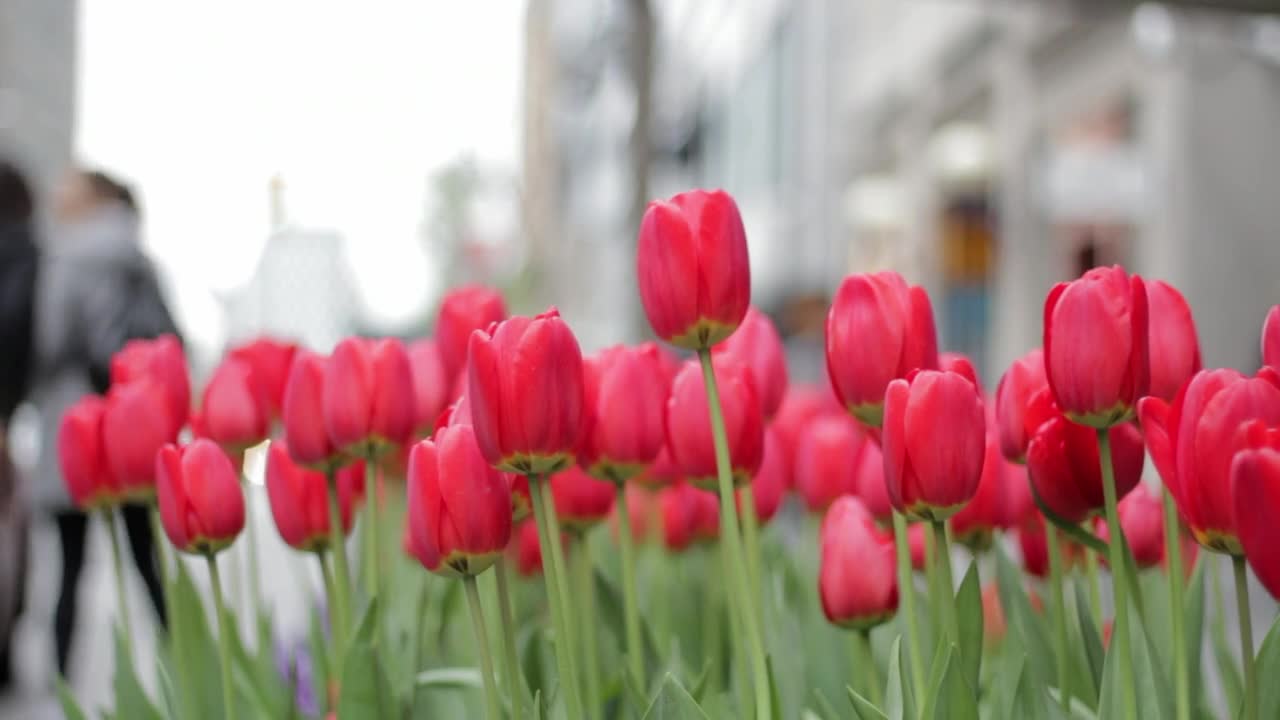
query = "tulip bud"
{"x": 858, "y": 581}
{"x": 1095, "y": 346}
{"x": 688, "y": 514}
{"x": 1193, "y": 443}
{"x": 300, "y": 498}
{"x": 934, "y": 443}
{"x": 689, "y": 423}
{"x": 1255, "y": 483}
{"x": 459, "y": 506}
{"x": 800, "y": 405}
{"x": 271, "y": 360}
{"x": 308, "y": 439}
{"x": 1024, "y": 379}
{"x": 235, "y": 411}
{"x": 161, "y": 361}
{"x": 1063, "y": 461}
{"x": 960, "y": 364}
{"x": 135, "y": 425}
{"x": 988, "y": 511}
{"x": 869, "y": 485}
{"x": 368, "y": 396}
{"x": 878, "y": 329}
{"x": 757, "y": 346}
{"x": 692, "y": 268}
{"x": 662, "y": 471}
{"x": 1034, "y": 545}
{"x": 528, "y": 549}
{"x": 769, "y": 482}
{"x": 83, "y": 458}
{"x": 525, "y": 394}
{"x": 463, "y": 311}
{"x": 1142, "y": 520}
{"x": 199, "y": 495}
{"x": 582, "y": 502}
{"x": 431, "y": 386}
{"x": 625, "y": 403}
{"x": 1173, "y": 347}
{"x": 825, "y": 461}
{"x": 917, "y": 542}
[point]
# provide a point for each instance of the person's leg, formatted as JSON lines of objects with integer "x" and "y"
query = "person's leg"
{"x": 71, "y": 531}
{"x": 137, "y": 524}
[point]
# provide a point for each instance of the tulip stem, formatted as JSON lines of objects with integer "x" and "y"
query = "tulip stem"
{"x": 864, "y": 666}
{"x": 340, "y": 601}
{"x": 1053, "y": 540}
{"x": 1120, "y": 637}
{"x": 224, "y": 637}
{"x": 492, "y": 706}
{"x": 162, "y": 559}
{"x": 729, "y": 536}
{"x": 335, "y": 652}
{"x": 751, "y": 548}
{"x": 511, "y": 666}
{"x": 371, "y": 478}
{"x": 122, "y": 594}
{"x": 1250, "y": 711}
{"x": 590, "y": 648}
{"x": 1173, "y": 554}
{"x": 907, "y": 591}
{"x": 630, "y": 598}
{"x": 942, "y": 557}
{"x": 548, "y": 541}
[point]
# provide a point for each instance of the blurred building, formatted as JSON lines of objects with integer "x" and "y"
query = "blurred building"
{"x": 37, "y": 85}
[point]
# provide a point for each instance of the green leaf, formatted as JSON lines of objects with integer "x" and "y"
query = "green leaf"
{"x": 862, "y": 707}
{"x": 611, "y": 613}
{"x": 950, "y": 697}
{"x": 1091, "y": 641}
{"x": 131, "y": 701}
{"x": 1151, "y": 688}
{"x": 1022, "y": 620}
{"x": 969, "y": 612}
{"x": 1224, "y": 656}
{"x": 260, "y": 684}
{"x": 193, "y": 651}
{"x": 900, "y": 703}
{"x": 1194, "y": 606}
{"x": 1268, "y": 666}
{"x": 454, "y": 677}
{"x": 829, "y": 712}
{"x": 365, "y": 691}
{"x": 673, "y": 702}
{"x": 70, "y": 708}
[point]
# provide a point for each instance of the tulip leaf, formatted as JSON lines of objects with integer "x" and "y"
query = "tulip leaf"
{"x": 454, "y": 677}
{"x": 862, "y": 707}
{"x": 969, "y": 612}
{"x": 365, "y": 691}
{"x": 193, "y": 651}
{"x": 950, "y": 697}
{"x": 70, "y": 708}
{"x": 900, "y": 701}
{"x": 1090, "y": 640}
{"x": 1268, "y": 666}
{"x": 1017, "y": 695}
{"x": 131, "y": 701}
{"x": 673, "y": 702}
{"x": 609, "y": 607}
{"x": 1224, "y": 656}
{"x": 258, "y": 681}
{"x": 1022, "y": 621}
{"x": 1151, "y": 687}
{"x": 1193, "y": 610}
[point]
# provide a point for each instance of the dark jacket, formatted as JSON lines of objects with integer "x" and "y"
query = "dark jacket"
{"x": 18, "y": 259}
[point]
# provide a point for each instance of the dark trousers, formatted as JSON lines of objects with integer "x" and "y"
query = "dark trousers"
{"x": 72, "y": 526}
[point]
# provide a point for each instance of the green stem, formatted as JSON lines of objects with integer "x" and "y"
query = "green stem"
{"x": 549, "y": 541}
{"x": 340, "y": 599}
{"x": 1246, "y": 639}
{"x": 590, "y": 648}
{"x": 733, "y": 542}
{"x": 1173, "y": 553}
{"x": 122, "y": 594}
{"x": 335, "y": 660}
{"x": 224, "y": 638}
{"x": 946, "y": 598}
{"x": 375, "y": 526}
{"x": 1095, "y": 585}
{"x": 751, "y": 549}
{"x": 1054, "y": 542}
{"x": 932, "y": 584}
{"x": 630, "y": 598}
{"x": 162, "y": 559}
{"x": 1120, "y": 637}
{"x": 492, "y": 705}
{"x": 864, "y": 666}
{"x": 906, "y": 591}
{"x": 511, "y": 666}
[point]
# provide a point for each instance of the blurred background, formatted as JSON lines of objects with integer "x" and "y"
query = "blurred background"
{"x": 313, "y": 170}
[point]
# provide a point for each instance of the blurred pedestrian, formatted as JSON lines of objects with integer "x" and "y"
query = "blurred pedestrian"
{"x": 95, "y": 290}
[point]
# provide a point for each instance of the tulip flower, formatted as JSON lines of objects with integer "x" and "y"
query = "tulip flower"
{"x": 689, "y": 437}
{"x": 1064, "y": 466}
{"x": 688, "y": 514}
{"x": 1255, "y": 483}
{"x": 800, "y": 405}
{"x": 431, "y": 386}
{"x": 1095, "y": 346}
{"x": 916, "y": 544}
{"x": 1021, "y": 382}
{"x": 271, "y": 361}
{"x": 135, "y": 425}
{"x": 1271, "y": 338}
{"x": 525, "y": 393}
{"x": 1034, "y": 545}
{"x": 825, "y": 461}
{"x": 1142, "y": 520}
{"x": 582, "y": 501}
{"x": 878, "y": 329}
{"x": 463, "y": 311}
{"x": 988, "y": 511}
{"x": 83, "y": 458}
{"x": 528, "y": 552}
{"x": 368, "y": 396}
{"x": 961, "y": 364}
{"x": 199, "y": 495}
{"x": 769, "y": 482}
{"x": 934, "y": 443}
{"x": 304, "y": 429}
{"x": 300, "y": 501}
{"x": 235, "y": 411}
{"x": 857, "y": 581}
{"x": 625, "y": 404}
{"x": 1173, "y": 345}
{"x": 869, "y": 485}
{"x": 757, "y": 345}
{"x": 640, "y": 507}
{"x": 1193, "y": 442}
{"x": 459, "y": 506}
{"x": 692, "y": 266}
{"x": 160, "y": 360}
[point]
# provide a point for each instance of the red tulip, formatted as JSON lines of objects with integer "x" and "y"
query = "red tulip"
{"x": 300, "y": 498}
{"x": 1023, "y": 380}
{"x": 961, "y": 364}
{"x": 917, "y": 541}
{"x": 463, "y": 311}
{"x": 878, "y": 329}
{"x": 1034, "y": 545}
{"x": 625, "y": 403}
{"x": 235, "y": 411}
{"x": 661, "y": 472}
{"x": 858, "y": 580}
{"x": 869, "y": 485}
{"x": 934, "y": 443}
{"x": 1173, "y": 346}
{"x": 826, "y": 465}
{"x": 692, "y": 266}
{"x": 1063, "y": 461}
{"x": 459, "y": 506}
{"x": 1142, "y": 520}
{"x": 769, "y": 482}
{"x": 161, "y": 361}
{"x": 134, "y": 426}
{"x": 800, "y": 405}
{"x": 528, "y": 549}
{"x": 431, "y": 386}
{"x": 640, "y": 506}
{"x": 525, "y": 393}
{"x": 988, "y": 511}
{"x": 83, "y": 458}
{"x": 688, "y": 514}
{"x": 368, "y": 396}
{"x": 582, "y": 501}
{"x": 1095, "y": 346}
{"x": 198, "y": 491}
{"x": 689, "y": 423}
{"x": 1255, "y": 483}
{"x": 1271, "y": 338}
{"x": 757, "y": 345}
{"x": 304, "y": 428}
{"x": 1193, "y": 442}
{"x": 271, "y": 360}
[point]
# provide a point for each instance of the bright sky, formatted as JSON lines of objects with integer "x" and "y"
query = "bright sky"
{"x": 354, "y": 104}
